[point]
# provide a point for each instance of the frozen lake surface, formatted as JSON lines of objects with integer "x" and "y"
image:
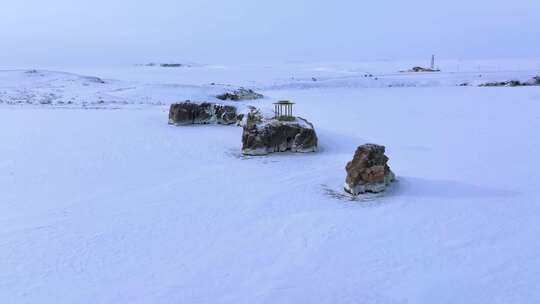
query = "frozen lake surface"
{"x": 103, "y": 202}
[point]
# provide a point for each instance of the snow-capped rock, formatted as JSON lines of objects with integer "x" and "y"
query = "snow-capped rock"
{"x": 252, "y": 115}
{"x": 264, "y": 137}
{"x": 240, "y": 94}
{"x": 368, "y": 171}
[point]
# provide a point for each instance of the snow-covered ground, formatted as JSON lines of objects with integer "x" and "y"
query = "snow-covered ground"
{"x": 103, "y": 202}
{"x": 135, "y": 85}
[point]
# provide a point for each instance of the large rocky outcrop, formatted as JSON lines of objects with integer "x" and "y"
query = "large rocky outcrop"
{"x": 189, "y": 113}
{"x": 368, "y": 171}
{"x": 264, "y": 137}
{"x": 240, "y": 94}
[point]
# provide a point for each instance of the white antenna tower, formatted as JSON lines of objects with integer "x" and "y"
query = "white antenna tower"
{"x": 433, "y": 62}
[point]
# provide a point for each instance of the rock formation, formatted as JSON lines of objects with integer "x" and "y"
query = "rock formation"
{"x": 226, "y": 115}
{"x": 240, "y": 94}
{"x": 263, "y": 137}
{"x": 252, "y": 116}
{"x": 189, "y": 113}
{"x": 368, "y": 171}
{"x": 535, "y": 81}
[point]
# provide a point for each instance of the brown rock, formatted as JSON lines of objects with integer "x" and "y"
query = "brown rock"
{"x": 368, "y": 171}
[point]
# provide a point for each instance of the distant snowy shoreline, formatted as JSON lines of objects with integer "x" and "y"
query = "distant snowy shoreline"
{"x": 149, "y": 86}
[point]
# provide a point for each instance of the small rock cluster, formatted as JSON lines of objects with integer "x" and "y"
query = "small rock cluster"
{"x": 260, "y": 135}
{"x": 240, "y": 94}
{"x": 171, "y": 65}
{"x": 368, "y": 171}
{"x": 190, "y": 113}
{"x": 167, "y": 65}
{"x": 535, "y": 81}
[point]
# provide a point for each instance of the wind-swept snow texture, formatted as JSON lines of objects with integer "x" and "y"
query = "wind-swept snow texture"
{"x": 113, "y": 205}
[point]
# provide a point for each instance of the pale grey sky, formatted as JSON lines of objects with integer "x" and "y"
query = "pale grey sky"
{"x": 38, "y": 32}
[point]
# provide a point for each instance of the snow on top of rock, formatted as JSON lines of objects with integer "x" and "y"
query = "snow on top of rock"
{"x": 299, "y": 121}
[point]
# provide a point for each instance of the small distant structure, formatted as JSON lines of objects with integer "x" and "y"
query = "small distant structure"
{"x": 419, "y": 69}
{"x": 283, "y": 109}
